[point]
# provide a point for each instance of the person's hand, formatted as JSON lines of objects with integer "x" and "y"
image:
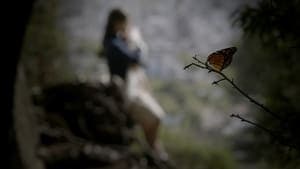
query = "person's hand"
{"x": 134, "y": 65}
{"x": 123, "y": 35}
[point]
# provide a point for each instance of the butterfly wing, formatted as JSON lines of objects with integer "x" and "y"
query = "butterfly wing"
{"x": 228, "y": 53}
{"x": 221, "y": 59}
{"x": 216, "y": 61}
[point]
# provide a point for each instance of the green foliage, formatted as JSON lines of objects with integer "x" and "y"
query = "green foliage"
{"x": 268, "y": 66}
{"x": 179, "y": 99}
{"x": 187, "y": 100}
{"x": 275, "y": 21}
{"x": 188, "y": 153}
{"x": 44, "y": 50}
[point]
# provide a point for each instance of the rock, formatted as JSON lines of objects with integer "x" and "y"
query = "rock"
{"x": 86, "y": 126}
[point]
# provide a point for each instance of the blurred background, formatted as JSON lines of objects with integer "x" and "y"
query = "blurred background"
{"x": 61, "y": 46}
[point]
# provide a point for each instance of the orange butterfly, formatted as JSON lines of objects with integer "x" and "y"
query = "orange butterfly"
{"x": 220, "y": 59}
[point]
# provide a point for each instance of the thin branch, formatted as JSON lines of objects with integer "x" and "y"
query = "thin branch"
{"x": 251, "y": 99}
{"x": 218, "y": 81}
{"x": 204, "y": 65}
{"x": 193, "y": 64}
{"x": 279, "y": 137}
{"x": 272, "y": 133}
{"x": 199, "y": 61}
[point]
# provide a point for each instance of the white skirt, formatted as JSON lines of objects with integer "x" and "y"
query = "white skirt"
{"x": 142, "y": 106}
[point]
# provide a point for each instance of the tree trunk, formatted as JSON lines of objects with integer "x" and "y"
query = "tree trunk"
{"x": 25, "y": 124}
{"x": 19, "y": 12}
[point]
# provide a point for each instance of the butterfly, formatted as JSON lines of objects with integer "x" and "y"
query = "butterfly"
{"x": 220, "y": 59}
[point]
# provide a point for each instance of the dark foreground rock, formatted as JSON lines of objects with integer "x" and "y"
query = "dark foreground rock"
{"x": 85, "y": 126}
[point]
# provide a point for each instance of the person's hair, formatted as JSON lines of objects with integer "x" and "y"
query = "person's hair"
{"x": 115, "y": 15}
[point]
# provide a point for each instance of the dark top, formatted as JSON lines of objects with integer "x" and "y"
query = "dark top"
{"x": 120, "y": 56}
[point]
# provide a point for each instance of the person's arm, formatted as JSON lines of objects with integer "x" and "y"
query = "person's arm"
{"x": 121, "y": 49}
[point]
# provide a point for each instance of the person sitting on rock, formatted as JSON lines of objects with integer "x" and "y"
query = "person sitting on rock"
{"x": 123, "y": 48}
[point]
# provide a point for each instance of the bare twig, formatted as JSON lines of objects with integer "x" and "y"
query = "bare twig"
{"x": 252, "y": 100}
{"x": 272, "y": 133}
{"x": 218, "y": 81}
{"x": 276, "y": 135}
{"x": 193, "y": 64}
{"x": 279, "y": 136}
{"x": 204, "y": 65}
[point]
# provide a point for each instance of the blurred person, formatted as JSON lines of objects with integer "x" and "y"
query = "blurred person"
{"x": 124, "y": 47}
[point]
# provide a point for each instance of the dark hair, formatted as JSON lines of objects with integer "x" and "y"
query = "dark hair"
{"x": 115, "y": 15}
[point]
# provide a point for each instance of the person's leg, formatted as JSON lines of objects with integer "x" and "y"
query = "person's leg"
{"x": 150, "y": 124}
{"x": 151, "y": 134}
{"x": 144, "y": 109}
{"x": 150, "y": 128}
